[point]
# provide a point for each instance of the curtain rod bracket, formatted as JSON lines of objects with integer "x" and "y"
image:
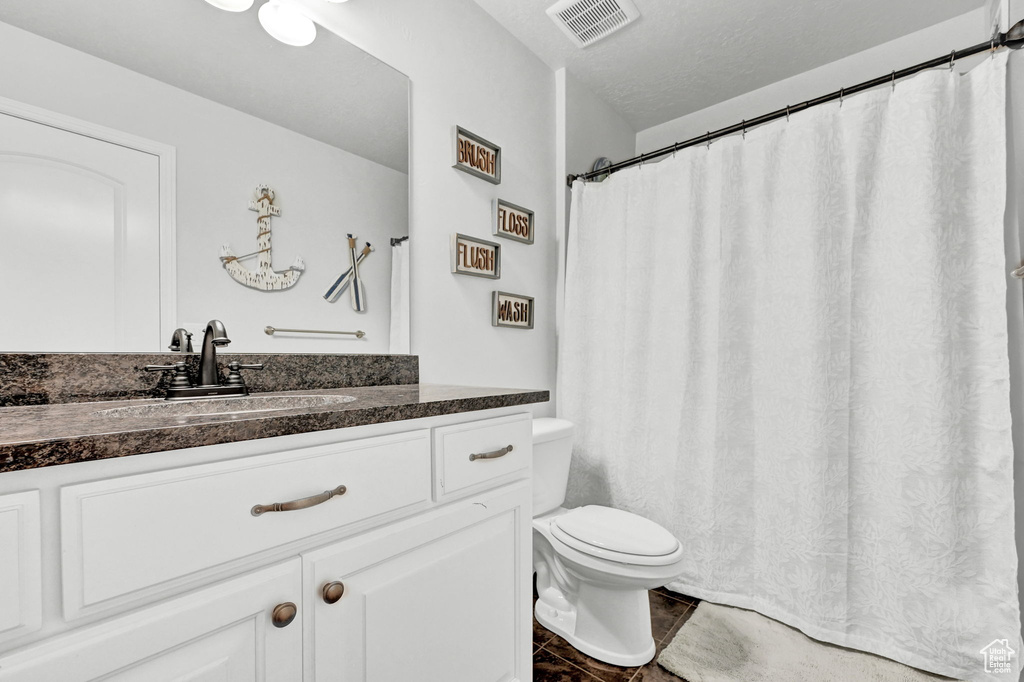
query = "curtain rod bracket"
{"x": 1014, "y": 38}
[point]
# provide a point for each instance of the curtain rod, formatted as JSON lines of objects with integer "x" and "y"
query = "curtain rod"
{"x": 1014, "y": 39}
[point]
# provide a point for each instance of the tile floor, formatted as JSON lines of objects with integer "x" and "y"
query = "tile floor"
{"x": 555, "y": 661}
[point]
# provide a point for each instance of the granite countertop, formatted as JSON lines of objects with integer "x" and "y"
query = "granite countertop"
{"x": 33, "y": 436}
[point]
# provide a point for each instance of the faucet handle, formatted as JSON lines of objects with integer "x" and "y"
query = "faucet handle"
{"x": 180, "y": 369}
{"x": 234, "y": 373}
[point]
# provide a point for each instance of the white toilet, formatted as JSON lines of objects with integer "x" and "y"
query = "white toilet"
{"x": 594, "y": 564}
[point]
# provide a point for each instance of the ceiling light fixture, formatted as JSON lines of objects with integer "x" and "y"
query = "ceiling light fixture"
{"x": 286, "y": 23}
{"x": 232, "y": 5}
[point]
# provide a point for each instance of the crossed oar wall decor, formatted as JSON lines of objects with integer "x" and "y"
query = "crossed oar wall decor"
{"x": 350, "y": 278}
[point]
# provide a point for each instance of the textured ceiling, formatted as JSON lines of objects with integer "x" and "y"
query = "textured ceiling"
{"x": 684, "y": 55}
{"x": 329, "y": 91}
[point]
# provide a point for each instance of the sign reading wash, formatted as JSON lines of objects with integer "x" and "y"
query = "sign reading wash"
{"x": 511, "y": 310}
{"x": 998, "y": 657}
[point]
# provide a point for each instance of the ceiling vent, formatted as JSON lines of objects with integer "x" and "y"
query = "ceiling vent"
{"x": 587, "y": 21}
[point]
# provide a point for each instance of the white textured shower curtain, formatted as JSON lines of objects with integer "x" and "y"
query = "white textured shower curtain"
{"x": 791, "y": 351}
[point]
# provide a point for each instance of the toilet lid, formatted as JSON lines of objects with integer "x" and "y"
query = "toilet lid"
{"x": 614, "y": 530}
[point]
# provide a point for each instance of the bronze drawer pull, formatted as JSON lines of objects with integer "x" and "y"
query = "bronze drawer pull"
{"x": 332, "y": 592}
{"x": 492, "y": 455}
{"x": 283, "y": 614}
{"x": 304, "y": 503}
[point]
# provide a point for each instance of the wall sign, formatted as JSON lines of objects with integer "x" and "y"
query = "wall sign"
{"x": 471, "y": 256}
{"x": 511, "y": 310}
{"x": 477, "y": 156}
{"x": 512, "y": 222}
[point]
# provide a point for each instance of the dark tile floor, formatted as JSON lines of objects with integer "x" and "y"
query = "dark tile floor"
{"x": 554, "y": 660}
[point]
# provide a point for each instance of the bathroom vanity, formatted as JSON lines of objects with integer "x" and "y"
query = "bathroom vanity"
{"x": 396, "y": 548}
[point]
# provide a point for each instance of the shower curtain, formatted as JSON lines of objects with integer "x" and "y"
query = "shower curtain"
{"x": 790, "y": 349}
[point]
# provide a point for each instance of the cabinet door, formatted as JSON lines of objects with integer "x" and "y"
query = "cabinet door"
{"x": 20, "y": 567}
{"x": 442, "y": 598}
{"x": 222, "y": 633}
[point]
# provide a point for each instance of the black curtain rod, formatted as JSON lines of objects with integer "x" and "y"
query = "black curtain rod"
{"x": 1014, "y": 38}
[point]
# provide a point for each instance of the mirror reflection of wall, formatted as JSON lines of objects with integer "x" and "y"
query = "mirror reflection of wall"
{"x": 108, "y": 112}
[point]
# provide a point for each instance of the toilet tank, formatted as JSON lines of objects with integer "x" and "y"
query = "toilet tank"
{"x": 552, "y": 451}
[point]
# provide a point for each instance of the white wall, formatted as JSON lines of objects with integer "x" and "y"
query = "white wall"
{"x": 967, "y": 29}
{"x": 592, "y": 129}
{"x": 467, "y": 70}
{"x": 222, "y": 154}
{"x": 586, "y": 129}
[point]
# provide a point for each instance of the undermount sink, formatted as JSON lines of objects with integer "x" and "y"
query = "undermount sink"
{"x": 200, "y": 408}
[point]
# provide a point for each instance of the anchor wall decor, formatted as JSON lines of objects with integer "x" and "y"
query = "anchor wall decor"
{"x": 264, "y": 277}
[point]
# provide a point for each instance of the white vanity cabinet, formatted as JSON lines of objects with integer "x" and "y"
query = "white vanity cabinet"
{"x": 438, "y": 599}
{"x": 165, "y": 572}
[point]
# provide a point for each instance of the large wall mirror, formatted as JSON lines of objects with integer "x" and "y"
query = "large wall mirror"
{"x": 133, "y": 136}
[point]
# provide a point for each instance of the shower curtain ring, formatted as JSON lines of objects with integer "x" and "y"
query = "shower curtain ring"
{"x": 894, "y": 80}
{"x": 709, "y": 139}
{"x": 952, "y": 58}
{"x": 675, "y": 148}
{"x": 842, "y": 91}
{"x": 787, "y": 113}
{"x": 744, "y": 129}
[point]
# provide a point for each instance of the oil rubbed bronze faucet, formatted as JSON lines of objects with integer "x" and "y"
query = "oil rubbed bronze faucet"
{"x": 215, "y": 336}
{"x": 209, "y": 386}
{"x": 181, "y": 341}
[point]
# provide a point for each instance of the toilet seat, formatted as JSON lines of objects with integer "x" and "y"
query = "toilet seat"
{"x": 616, "y": 535}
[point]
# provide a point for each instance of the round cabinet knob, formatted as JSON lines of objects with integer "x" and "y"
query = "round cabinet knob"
{"x": 284, "y": 614}
{"x": 332, "y": 592}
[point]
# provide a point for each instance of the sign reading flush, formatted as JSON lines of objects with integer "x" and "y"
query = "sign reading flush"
{"x": 511, "y": 310}
{"x": 477, "y": 156}
{"x": 475, "y": 257}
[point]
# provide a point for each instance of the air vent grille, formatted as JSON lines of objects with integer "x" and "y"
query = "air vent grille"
{"x": 587, "y": 21}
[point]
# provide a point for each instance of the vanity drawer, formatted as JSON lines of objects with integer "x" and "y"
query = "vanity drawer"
{"x": 125, "y": 535}
{"x": 470, "y": 457}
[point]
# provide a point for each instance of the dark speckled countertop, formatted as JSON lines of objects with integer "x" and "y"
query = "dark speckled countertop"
{"x": 33, "y": 436}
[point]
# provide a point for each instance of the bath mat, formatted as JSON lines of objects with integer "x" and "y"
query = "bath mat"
{"x": 725, "y": 644}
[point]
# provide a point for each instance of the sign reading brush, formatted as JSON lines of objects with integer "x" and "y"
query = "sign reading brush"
{"x": 474, "y": 155}
{"x": 345, "y": 279}
{"x": 355, "y": 287}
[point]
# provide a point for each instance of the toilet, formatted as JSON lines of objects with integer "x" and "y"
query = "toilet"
{"x": 594, "y": 564}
